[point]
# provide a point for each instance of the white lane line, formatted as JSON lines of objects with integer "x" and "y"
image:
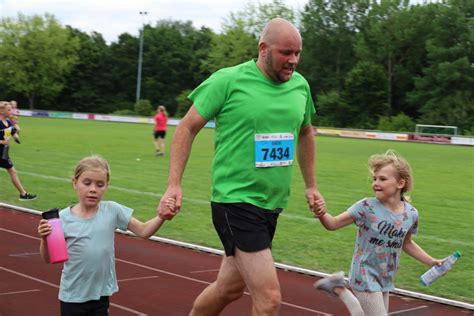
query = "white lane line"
{"x": 204, "y": 271}
{"x": 207, "y": 283}
{"x": 29, "y": 277}
{"x": 140, "y": 278}
{"x": 20, "y": 292}
{"x": 57, "y": 287}
{"x": 24, "y": 254}
{"x": 19, "y": 234}
{"x": 408, "y": 310}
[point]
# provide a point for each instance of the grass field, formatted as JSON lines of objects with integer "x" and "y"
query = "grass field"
{"x": 443, "y": 194}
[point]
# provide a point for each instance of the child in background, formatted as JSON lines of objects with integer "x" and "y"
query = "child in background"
{"x": 7, "y": 130}
{"x": 14, "y": 119}
{"x": 386, "y": 223}
{"x": 88, "y": 278}
{"x": 159, "y": 132}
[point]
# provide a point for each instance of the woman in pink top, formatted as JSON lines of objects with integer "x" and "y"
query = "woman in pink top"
{"x": 159, "y": 133}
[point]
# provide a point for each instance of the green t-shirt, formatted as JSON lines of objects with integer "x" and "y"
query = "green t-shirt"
{"x": 245, "y": 103}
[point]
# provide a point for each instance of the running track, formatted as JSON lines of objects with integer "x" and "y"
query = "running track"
{"x": 155, "y": 279}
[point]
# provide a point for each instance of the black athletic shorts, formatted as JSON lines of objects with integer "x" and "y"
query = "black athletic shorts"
{"x": 95, "y": 307}
{"x": 6, "y": 163}
{"x": 159, "y": 134}
{"x": 245, "y": 226}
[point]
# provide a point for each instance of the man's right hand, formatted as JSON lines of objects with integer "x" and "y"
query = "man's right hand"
{"x": 165, "y": 210}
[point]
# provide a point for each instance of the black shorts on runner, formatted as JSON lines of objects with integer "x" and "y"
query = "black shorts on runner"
{"x": 245, "y": 226}
{"x": 95, "y": 307}
{"x": 159, "y": 134}
{"x": 6, "y": 163}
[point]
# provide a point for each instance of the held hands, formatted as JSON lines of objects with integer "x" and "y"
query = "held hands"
{"x": 319, "y": 209}
{"x": 315, "y": 201}
{"x": 44, "y": 228}
{"x": 170, "y": 204}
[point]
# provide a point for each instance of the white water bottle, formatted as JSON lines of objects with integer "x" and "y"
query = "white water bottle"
{"x": 435, "y": 272}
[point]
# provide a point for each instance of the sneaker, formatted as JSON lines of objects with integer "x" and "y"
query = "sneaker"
{"x": 27, "y": 197}
{"x": 17, "y": 140}
{"x": 159, "y": 153}
{"x": 329, "y": 283}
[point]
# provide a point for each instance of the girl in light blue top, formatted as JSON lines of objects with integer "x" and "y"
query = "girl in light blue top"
{"x": 88, "y": 278}
{"x": 386, "y": 223}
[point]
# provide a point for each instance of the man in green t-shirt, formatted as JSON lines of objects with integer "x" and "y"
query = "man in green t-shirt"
{"x": 262, "y": 110}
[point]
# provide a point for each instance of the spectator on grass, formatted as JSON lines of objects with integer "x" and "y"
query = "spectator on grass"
{"x": 88, "y": 277}
{"x": 7, "y": 130}
{"x": 388, "y": 218}
{"x": 263, "y": 111}
{"x": 159, "y": 132}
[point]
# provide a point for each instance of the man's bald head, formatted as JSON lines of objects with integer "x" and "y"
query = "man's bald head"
{"x": 278, "y": 28}
{"x": 279, "y": 50}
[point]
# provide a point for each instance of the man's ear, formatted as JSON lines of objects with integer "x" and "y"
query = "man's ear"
{"x": 262, "y": 49}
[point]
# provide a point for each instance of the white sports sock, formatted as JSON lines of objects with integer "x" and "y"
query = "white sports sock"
{"x": 351, "y": 302}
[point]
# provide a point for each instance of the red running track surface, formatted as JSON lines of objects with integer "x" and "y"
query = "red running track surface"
{"x": 154, "y": 279}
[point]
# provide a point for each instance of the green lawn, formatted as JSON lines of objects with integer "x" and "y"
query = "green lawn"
{"x": 444, "y": 192}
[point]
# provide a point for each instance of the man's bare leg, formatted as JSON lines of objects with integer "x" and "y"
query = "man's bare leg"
{"x": 259, "y": 274}
{"x": 228, "y": 287}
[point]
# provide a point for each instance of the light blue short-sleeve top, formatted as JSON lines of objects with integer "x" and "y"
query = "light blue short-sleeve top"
{"x": 90, "y": 271}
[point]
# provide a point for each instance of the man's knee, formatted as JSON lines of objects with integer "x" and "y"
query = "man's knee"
{"x": 230, "y": 292}
{"x": 215, "y": 298}
{"x": 268, "y": 302}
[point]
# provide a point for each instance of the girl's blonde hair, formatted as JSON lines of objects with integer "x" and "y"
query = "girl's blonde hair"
{"x": 403, "y": 169}
{"x": 93, "y": 162}
{"x": 3, "y": 106}
{"x": 162, "y": 109}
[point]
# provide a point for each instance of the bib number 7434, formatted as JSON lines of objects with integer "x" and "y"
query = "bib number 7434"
{"x": 274, "y": 150}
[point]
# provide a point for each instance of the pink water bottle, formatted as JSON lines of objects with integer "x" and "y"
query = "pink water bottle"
{"x": 56, "y": 242}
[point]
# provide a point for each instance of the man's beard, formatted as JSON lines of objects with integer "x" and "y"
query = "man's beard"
{"x": 274, "y": 75}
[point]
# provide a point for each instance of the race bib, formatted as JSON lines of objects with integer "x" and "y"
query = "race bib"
{"x": 274, "y": 150}
{"x": 6, "y": 133}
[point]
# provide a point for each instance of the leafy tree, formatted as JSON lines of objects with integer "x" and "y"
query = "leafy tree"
{"x": 36, "y": 53}
{"x": 86, "y": 86}
{"x": 120, "y": 78}
{"x": 332, "y": 110}
{"x": 365, "y": 94}
{"x": 241, "y": 30}
{"x": 395, "y": 36}
{"x": 232, "y": 47}
{"x": 171, "y": 59}
{"x": 400, "y": 122}
{"x": 143, "y": 108}
{"x": 253, "y": 18}
{"x": 444, "y": 90}
{"x": 329, "y": 30}
{"x": 183, "y": 103}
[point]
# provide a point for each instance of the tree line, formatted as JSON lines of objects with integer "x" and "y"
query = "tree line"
{"x": 383, "y": 65}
